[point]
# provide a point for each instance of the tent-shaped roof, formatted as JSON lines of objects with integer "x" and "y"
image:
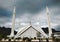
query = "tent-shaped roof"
{"x": 27, "y": 27}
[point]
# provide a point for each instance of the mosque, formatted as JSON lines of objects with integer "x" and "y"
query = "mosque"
{"x": 30, "y": 30}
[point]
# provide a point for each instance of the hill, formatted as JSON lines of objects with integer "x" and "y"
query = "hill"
{"x": 6, "y": 31}
{"x": 46, "y": 30}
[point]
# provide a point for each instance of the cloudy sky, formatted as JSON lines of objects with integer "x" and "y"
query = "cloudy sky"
{"x": 30, "y": 10}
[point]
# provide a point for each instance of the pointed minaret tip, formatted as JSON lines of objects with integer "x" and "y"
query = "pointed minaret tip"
{"x": 47, "y": 10}
{"x": 14, "y": 10}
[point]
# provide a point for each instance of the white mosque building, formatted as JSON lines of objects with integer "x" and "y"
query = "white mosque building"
{"x": 30, "y": 30}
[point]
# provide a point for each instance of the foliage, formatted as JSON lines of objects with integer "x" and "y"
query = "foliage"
{"x": 26, "y": 38}
{"x": 35, "y": 38}
{"x": 53, "y": 38}
{"x": 18, "y": 38}
{"x": 3, "y": 36}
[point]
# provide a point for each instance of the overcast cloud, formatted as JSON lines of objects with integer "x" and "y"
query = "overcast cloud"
{"x": 29, "y": 10}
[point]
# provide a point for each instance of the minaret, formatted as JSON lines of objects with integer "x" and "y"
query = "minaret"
{"x": 48, "y": 20}
{"x": 13, "y": 23}
{"x": 30, "y": 23}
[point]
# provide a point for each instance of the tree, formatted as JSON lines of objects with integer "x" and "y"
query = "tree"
{"x": 53, "y": 38}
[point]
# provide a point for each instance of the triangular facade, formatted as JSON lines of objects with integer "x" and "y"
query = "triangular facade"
{"x": 30, "y": 31}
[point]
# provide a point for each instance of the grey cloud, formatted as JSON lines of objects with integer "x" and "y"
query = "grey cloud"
{"x": 55, "y": 14}
{"x": 4, "y": 12}
{"x": 31, "y": 6}
{"x": 58, "y": 27}
{"x": 3, "y": 22}
{"x": 56, "y": 1}
{"x": 27, "y": 6}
